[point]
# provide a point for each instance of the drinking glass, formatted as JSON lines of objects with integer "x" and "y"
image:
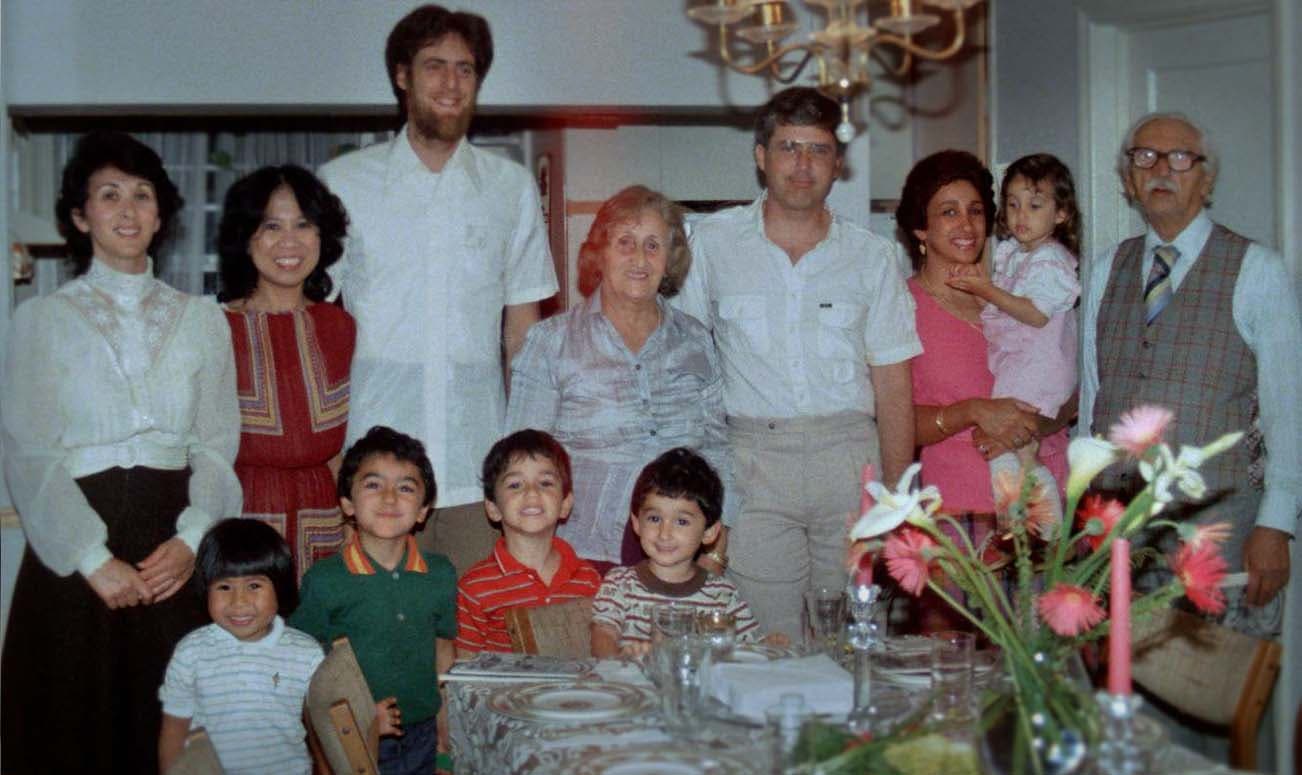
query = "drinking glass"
{"x": 951, "y": 673}
{"x": 671, "y": 621}
{"x": 825, "y": 609}
{"x": 684, "y": 663}
{"x": 719, "y": 627}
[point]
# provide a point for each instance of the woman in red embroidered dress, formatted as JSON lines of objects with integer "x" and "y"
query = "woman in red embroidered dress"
{"x": 281, "y": 228}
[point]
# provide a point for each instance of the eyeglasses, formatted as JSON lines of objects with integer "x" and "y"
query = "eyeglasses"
{"x": 819, "y": 151}
{"x": 1178, "y": 160}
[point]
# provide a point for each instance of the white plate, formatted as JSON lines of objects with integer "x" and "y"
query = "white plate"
{"x": 571, "y": 701}
{"x": 758, "y": 652}
{"x": 655, "y": 760}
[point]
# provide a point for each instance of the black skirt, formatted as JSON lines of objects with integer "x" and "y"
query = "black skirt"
{"x": 81, "y": 681}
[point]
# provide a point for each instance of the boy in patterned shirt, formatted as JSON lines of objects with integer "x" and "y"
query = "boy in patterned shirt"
{"x": 675, "y": 508}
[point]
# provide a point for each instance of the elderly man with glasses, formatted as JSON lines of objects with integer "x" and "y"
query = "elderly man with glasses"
{"x": 1196, "y": 318}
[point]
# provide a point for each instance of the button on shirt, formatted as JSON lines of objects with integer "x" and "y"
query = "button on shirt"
{"x": 796, "y": 340}
{"x": 615, "y": 410}
{"x": 432, "y": 258}
{"x": 1266, "y": 315}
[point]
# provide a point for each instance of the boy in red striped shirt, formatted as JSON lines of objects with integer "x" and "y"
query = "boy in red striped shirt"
{"x": 527, "y": 491}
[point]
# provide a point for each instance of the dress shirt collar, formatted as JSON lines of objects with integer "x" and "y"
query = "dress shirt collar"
{"x": 506, "y": 562}
{"x": 590, "y": 310}
{"x": 756, "y": 215}
{"x": 358, "y": 562}
{"x": 125, "y": 289}
{"x": 1189, "y": 242}
{"x": 403, "y": 161}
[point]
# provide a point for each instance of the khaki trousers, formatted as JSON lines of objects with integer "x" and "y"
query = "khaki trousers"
{"x": 799, "y": 482}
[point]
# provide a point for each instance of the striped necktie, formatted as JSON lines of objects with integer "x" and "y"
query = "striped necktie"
{"x": 1157, "y": 291}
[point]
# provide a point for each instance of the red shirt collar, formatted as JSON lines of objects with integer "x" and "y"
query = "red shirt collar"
{"x": 507, "y": 563}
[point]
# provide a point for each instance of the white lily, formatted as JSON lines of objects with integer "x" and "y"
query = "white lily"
{"x": 893, "y": 508}
{"x": 1167, "y": 470}
{"x": 1086, "y": 457}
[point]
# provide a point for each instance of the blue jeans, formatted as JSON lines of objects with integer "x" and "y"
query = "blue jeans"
{"x": 414, "y": 753}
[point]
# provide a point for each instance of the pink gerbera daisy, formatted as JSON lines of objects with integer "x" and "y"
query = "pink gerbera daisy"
{"x": 1140, "y": 428}
{"x": 1104, "y": 512}
{"x": 1201, "y": 569}
{"x": 1040, "y": 519}
{"x": 1197, "y": 535}
{"x": 908, "y": 558}
{"x": 1069, "y": 610}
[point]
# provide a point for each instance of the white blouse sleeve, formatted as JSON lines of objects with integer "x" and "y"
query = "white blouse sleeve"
{"x": 215, "y": 437}
{"x": 61, "y": 527}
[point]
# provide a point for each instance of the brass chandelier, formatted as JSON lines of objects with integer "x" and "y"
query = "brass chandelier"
{"x": 841, "y": 48}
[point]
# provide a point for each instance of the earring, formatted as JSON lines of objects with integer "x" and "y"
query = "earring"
{"x": 922, "y": 248}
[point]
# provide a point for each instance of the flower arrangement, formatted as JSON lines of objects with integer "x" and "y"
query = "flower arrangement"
{"x": 1035, "y": 586}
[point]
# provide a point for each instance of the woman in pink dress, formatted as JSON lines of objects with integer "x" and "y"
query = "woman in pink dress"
{"x": 945, "y": 213}
{"x": 280, "y": 229}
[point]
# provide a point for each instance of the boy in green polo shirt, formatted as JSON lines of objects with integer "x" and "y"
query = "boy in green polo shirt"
{"x": 396, "y": 605}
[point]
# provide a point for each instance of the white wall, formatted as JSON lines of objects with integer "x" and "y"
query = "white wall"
{"x": 79, "y": 55}
{"x": 1033, "y": 80}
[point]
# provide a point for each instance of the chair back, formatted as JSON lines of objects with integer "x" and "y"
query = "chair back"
{"x": 341, "y": 710}
{"x": 557, "y": 630}
{"x": 198, "y": 757}
{"x": 1209, "y": 672}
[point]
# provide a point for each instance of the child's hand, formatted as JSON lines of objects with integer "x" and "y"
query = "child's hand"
{"x": 388, "y": 718}
{"x": 970, "y": 279}
{"x": 635, "y": 649}
{"x": 778, "y": 639}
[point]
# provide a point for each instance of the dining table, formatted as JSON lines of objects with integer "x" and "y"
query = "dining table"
{"x": 600, "y": 717}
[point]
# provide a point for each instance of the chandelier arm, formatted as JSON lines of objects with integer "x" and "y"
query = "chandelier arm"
{"x": 795, "y": 73}
{"x": 909, "y": 47}
{"x": 755, "y": 68}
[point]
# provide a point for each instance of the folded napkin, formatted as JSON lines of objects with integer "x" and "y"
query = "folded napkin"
{"x": 750, "y": 688}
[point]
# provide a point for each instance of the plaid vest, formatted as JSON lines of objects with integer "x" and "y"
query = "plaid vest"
{"x": 1190, "y": 360}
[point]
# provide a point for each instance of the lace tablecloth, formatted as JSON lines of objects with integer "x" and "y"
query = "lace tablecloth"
{"x": 485, "y": 742}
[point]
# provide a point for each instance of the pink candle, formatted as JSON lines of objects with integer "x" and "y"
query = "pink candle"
{"x": 866, "y": 500}
{"x": 1119, "y": 637}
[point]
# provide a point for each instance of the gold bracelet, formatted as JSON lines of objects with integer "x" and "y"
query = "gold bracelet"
{"x": 940, "y": 424}
{"x": 719, "y": 558}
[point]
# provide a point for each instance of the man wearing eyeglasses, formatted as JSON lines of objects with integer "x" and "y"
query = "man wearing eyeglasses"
{"x": 1203, "y": 321}
{"x": 815, "y": 329}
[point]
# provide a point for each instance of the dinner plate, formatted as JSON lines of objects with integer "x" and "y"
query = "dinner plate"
{"x": 571, "y": 701}
{"x": 655, "y": 760}
{"x": 905, "y": 660}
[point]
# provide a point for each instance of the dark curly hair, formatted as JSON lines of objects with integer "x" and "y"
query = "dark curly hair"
{"x": 246, "y": 547}
{"x": 1045, "y": 168}
{"x": 524, "y": 443}
{"x": 426, "y": 26}
{"x": 929, "y": 176}
{"x": 243, "y": 213}
{"x": 383, "y": 440}
{"x": 94, "y": 152}
{"x": 681, "y": 473}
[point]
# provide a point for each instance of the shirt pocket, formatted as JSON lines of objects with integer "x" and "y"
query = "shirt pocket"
{"x": 840, "y": 330}
{"x": 477, "y": 292}
{"x": 745, "y": 314}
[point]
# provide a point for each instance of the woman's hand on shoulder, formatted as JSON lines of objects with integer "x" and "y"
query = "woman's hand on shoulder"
{"x": 119, "y": 586}
{"x": 167, "y": 568}
{"x": 1007, "y": 421}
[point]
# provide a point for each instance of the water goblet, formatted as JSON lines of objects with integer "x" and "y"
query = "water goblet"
{"x": 951, "y": 674}
{"x": 719, "y": 628}
{"x": 825, "y": 609}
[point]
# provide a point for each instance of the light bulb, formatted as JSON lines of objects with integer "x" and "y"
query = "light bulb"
{"x": 845, "y": 131}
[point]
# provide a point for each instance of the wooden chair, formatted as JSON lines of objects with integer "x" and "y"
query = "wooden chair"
{"x": 1209, "y": 672}
{"x": 198, "y": 757}
{"x": 557, "y": 630}
{"x": 341, "y": 712}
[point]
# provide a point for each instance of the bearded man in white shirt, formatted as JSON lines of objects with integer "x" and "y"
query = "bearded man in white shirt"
{"x": 815, "y": 329}
{"x": 1196, "y": 318}
{"x": 447, "y": 259}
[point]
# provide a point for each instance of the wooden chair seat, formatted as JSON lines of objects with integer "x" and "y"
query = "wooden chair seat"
{"x": 341, "y": 711}
{"x": 1209, "y": 672}
{"x": 198, "y": 757}
{"x": 557, "y": 630}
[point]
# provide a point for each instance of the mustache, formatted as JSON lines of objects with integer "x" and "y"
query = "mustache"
{"x": 1161, "y": 184}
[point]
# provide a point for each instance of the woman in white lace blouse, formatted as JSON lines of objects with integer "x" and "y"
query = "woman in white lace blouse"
{"x": 623, "y": 377}
{"x": 120, "y": 423}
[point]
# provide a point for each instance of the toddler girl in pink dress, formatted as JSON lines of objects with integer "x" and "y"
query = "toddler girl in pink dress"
{"x": 1029, "y": 320}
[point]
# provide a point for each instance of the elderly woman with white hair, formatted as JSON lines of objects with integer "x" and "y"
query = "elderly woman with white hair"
{"x": 623, "y": 376}
{"x": 1196, "y": 318}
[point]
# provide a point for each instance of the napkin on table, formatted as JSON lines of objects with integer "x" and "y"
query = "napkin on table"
{"x": 750, "y": 688}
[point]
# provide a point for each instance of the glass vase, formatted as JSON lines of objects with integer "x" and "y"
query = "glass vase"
{"x": 1038, "y": 719}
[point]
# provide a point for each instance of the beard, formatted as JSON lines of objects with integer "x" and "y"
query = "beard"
{"x": 435, "y": 126}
